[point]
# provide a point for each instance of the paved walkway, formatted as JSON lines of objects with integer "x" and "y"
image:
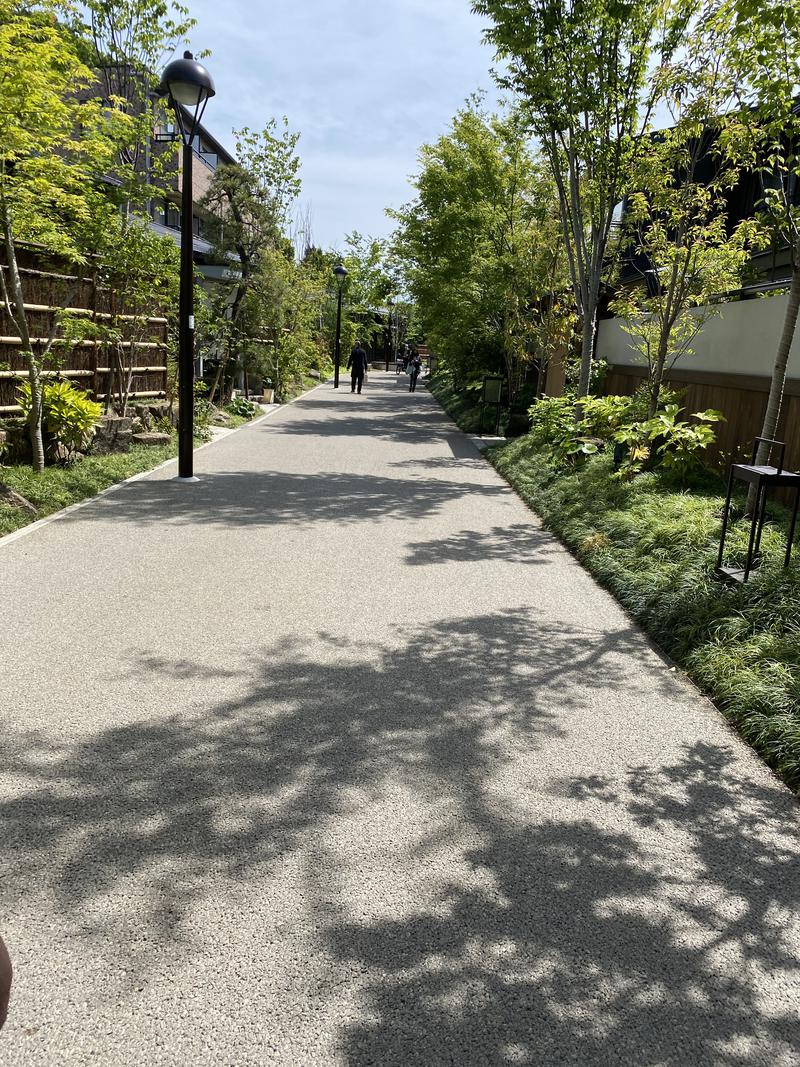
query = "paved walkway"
{"x": 337, "y": 758}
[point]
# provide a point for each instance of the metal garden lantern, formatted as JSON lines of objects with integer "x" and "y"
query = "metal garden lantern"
{"x": 764, "y": 478}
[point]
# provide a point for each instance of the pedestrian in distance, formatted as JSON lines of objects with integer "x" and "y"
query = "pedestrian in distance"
{"x": 414, "y": 368}
{"x": 357, "y": 365}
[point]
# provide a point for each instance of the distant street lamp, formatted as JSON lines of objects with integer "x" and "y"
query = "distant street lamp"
{"x": 341, "y": 275}
{"x": 390, "y": 347}
{"x": 188, "y": 86}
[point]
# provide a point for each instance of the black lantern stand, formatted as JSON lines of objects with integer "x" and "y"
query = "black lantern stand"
{"x": 341, "y": 275}
{"x": 188, "y": 87}
{"x": 763, "y": 478}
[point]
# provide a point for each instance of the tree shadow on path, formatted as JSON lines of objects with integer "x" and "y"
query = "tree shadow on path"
{"x": 577, "y": 941}
{"x": 517, "y": 543}
{"x": 273, "y": 498}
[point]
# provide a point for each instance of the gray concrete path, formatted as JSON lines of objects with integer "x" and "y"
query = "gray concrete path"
{"x": 337, "y": 758}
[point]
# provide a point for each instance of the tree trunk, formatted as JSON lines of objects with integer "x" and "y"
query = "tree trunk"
{"x": 587, "y": 346}
{"x": 657, "y": 379}
{"x": 775, "y": 399}
{"x": 773, "y": 412}
{"x": 217, "y": 376}
{"x": 21, "y": 320}
{"x": 35, "y": 414}
{"x": 220, "y": 375}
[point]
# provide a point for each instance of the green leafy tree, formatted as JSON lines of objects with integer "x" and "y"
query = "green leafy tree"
{"x": 54, "y": 149}
{"x": 479, "y": 244}
{"x": 678, "y": 219}
{"x": 126, "y": 43}
{"x": 581, "y": 69}
{"x": 290, "y": 301}
{"x": 140, "y": 271}
{"x": 249, "y": 204}
{"x": 763, "y": 52}
{"x": 367, "y": 289}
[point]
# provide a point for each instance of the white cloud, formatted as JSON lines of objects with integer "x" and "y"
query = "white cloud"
{"x": 365, "y": 83}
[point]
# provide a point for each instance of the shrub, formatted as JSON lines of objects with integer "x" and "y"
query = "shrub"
{"x": 242, "y": 407}
{"x": 553, "y": 423}
{"x": 68, "y": 414}
{"x": 552, "y": 419}
{"x": 602, "y": 416}
{"x": 666, "y": 440}
{"x": 203, "y": 413}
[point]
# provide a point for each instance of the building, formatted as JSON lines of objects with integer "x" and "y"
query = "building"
{"x": 730, "y": 367}
{"x": 165, "y": 212}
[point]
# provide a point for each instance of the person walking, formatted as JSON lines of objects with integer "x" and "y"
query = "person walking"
{"x": 357, "y": 365}
{"x": 414, "y": 368}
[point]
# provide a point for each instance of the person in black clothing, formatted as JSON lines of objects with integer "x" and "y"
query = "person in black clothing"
{"x": 415, "y": 366}
{"x": 357, "y": 365}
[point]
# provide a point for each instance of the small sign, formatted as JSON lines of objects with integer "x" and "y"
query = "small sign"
{"x": 492, "y": 390}
{"x": 191, "y": 322}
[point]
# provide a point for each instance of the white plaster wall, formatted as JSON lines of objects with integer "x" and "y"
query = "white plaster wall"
{"x": 741, "y": 338}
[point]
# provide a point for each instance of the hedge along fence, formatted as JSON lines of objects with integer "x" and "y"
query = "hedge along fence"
{"x": 85, "y": 363}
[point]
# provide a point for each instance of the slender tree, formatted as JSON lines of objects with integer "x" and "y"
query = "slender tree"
{"x": 54, "y": 149}
{"x": 479, "y": 244}
{"x": 764, "y": 54}
{"x": 126, "y": 43}
{"x": 249, "y": 203}
{"x": 581, "y": 68}
{"x": 677, "y": 222}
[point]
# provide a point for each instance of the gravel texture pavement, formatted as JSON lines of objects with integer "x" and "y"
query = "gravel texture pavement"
{"x": 336, "y": 757}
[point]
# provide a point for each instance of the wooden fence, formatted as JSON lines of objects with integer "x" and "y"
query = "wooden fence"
{"x": 742, "y": 399}
{"x": 46, "y": 291}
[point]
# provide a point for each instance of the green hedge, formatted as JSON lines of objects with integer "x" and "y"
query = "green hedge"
{"x": 58, "y": 487}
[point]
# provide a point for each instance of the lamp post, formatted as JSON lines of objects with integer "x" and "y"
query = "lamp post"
{"x": 390, "y": 349}
{"x": 341, "y": 275}
{"x": 188, "y": 86}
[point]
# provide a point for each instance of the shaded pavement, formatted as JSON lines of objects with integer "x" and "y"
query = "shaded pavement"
{"x": 337, "y": 757}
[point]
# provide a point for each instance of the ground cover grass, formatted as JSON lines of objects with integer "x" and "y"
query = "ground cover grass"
{"x": 58, "y": 487}
{"x": 463, "y": 407}
{"x": 653, "y": 544}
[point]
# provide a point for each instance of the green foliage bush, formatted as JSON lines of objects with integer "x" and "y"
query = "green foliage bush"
{"x": 203, "y": 413}
{"x": 69, "y": 415}
{"x": 675, "y": 443}
{"x": 574, "y": 430}
{"x": 243, "y": 407}
{"x": 552, "y": 419}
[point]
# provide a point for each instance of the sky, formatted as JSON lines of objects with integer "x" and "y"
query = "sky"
{"x": 365, "y": 82}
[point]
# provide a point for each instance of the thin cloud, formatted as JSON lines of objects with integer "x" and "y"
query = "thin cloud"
{"x": 365, "y": 84}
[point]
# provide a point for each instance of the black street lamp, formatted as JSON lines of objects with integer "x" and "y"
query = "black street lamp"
{"x": 341, "y": 275}
{"x": 390, "y": 347}
{"x": 188, "y": 86}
